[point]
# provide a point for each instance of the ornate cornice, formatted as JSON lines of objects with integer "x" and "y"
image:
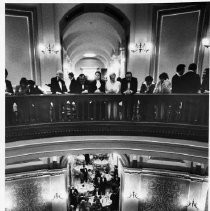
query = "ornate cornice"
{"x": 173, "y": 174}
{"x": 35, "y": 174}
{"x": 157, "y": 129}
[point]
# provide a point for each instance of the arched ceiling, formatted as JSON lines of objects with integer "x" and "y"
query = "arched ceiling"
{"x": 93, "y": 33}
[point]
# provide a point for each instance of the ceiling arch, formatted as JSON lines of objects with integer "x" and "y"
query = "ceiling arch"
{"x": 92, "y": 32}
{"x": 79, "y": 52}
{"x": 100, "y": 36}
{"x": 103, "y": 22}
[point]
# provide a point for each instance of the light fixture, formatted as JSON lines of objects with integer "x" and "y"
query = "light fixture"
{"x": 57, "y": 196}
{"x": 133, "y": 195}
{"x": 89, "y": 55}
{"x": 140, "y": 47}
{"x": 49, "y": 48}
{"x": 192, "y": 204}
{"x": 206, "y": 42}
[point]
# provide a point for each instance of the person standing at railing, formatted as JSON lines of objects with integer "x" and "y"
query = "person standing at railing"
{"x": 191, "y": 79}
{"x": 112, "y": 87}
{"x": 58, "y": 85}
{"x": 177, "y": 79}
{"x": 82, "y": 84}
{"x": 33, "y": 88}
{"x": 8, "y": 85}
{"x": 205, "y": 81}
{"x": 147, "y": 86}
{"x": 178, "y": 84}
{"x": 146, "y": 106}
{"x": 128, "y": 87}
{"x": 97, "y": 86}
{"x": 22, "y": 88}
{"x": 192, "y": 85}
{"x": 82, "y": 88}
{"x": 73, "y": 83}
{"x": 162, "y": 87}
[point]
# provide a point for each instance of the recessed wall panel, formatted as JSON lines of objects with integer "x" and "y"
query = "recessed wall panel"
{"x": 17, "y": 47}
{"x": 178, "y": 37}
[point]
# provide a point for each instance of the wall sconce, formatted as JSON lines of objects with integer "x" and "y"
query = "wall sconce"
{"x": 192, "y": 204}
{"x": 140, "y": 47}
{"x": 57, "y": 196}
{"x": 133, "y": 195}
{"x": 49, "y": 48}
{"x": 206, "y": 42}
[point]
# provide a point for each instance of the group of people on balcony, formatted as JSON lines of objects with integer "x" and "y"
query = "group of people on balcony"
{"x": 181, "y": 82}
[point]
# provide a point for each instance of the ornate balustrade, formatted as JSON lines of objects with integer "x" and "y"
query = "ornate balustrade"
{"x": 155, "y": 115}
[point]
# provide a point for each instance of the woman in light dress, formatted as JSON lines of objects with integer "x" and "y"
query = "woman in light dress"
{"x": 163, "y": 86}
{"x": 112, "y": 87}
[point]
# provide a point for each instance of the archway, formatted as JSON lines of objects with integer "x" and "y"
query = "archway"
{"x": 101, "y": 29}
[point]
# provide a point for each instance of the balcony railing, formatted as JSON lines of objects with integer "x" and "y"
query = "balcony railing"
{"x": 178, "y": 109}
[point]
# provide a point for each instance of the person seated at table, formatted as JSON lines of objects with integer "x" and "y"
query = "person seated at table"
{"x": 73, "y": 83}
{"x": 97, "y": 181}
{"x": 8, "y": 85}
{"x": 33, "y": 88}
{"x": 90, "y": 174}
{"x": 82, "y": 205}
{"x": 22, "y": 88}
{"x": 147, "y": 86}
{"x": 96, "y": 192}
{"x": 88, "y": 204}
{"x": 58, "y": 85}
{"x": 96, "y": 206}
{"x": 73, "y": 196}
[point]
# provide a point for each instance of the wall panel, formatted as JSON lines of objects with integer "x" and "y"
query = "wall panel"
{"x": 177, "y": 33}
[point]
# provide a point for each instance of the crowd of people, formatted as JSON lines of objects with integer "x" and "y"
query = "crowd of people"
{"x": 104, "y": 196}
{"x": 181, "y": 82}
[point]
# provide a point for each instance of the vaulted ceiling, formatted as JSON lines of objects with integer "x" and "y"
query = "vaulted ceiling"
{"x": 93, "y": 33}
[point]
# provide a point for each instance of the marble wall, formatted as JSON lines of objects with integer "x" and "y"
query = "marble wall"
{"x": 36, "y": 193}
{"x": 161, "y": 191}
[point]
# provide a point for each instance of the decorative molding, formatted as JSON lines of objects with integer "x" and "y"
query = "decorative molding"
{"x": 30, "y": 12}
{"x": 35, "y": 174}
{"x": 166, "y": 130}
{"x": 172, "y": 174}
{"x": 159, "y": 12}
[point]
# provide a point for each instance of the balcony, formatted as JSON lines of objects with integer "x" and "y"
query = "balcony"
{"x": 171, "y": 116}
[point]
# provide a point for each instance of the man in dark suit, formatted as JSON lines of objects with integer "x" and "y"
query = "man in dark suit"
{"x": 128, "y": 87}
{"x": 97, "y": 85}
{"x": 73, "y": 83}
{"x": 8, "y": 88}
{"x": 129, "y": 84}
{"x": 191, "y": 80}
{"x": 177, "y": 79}
{"x": 82, "y": 88}
{"x": 58, "y": 85}
{"x": 83, "y": 84}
